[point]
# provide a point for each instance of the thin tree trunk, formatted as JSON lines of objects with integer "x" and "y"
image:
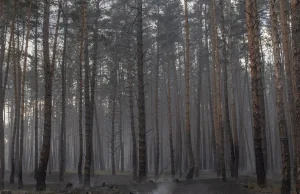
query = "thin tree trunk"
{"x": 170, "y": 120}
{"x": 227, "y": 124}
{"x": 295, "y": 11}
{"x": 132, "y": 126}
{"x": 23, "y": 101}
{"x": 45, "y": 151}
{"x": 79, "y": 167}
{"x": 198, "y": 102}
{"x": 62, "y": 163}
{"x": 156, "y": 162}
{"x": 87, "y": 102}
{"x": 190, "y": 173}
{"x": 2, "y": 144}
{"x": 36, "y": 112}
{"x": 141, "y": 94}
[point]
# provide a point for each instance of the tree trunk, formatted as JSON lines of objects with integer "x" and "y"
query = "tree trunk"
{"x": 36, "y": 112}
{"x": 256, "y": 75}
{"x": 132, "y": 126}
{"x": 2, "y": 53}
{"x": 295, "y": 10}
{"x": 218, "y": 111}
{"x": 48, "y": 73}
{"x": 141, "y": 95}
{"x": 178, "y": 122}
{"x": 170, "y": 120}
{"x": 23, "y": 100}
{"x": 80, "y": 80}
{"x": 62, "y": 163}
{"x": 198, "y": 128}
{"x": 156, "y": 162}
{"x": 113, "y": 113}
{"x": 227, "y": 124}
{"x": 284, "y": 143}
{"x": 190, "y": 173}
{"x": 87, "y": 103}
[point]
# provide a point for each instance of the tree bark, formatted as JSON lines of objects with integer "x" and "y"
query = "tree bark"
{"x": 80, "y": 80}
{"x": 23, "y": 100}
{"x": 256, "y": 75}
{"x": 227, "y": 124}
{"x": 87, "y": 103}
{"x": 48, "y": 73}
{"x": 36, "y": 112}
{"x": 218, "y": 111}
{"x": 141, "y": 94}
{"x": 284, "y": 143}
{"x": 156, "y": 162}
{"x": 62, "y": 164}
{"x": 190, "y": 173}
{"x": 295, "y": 12}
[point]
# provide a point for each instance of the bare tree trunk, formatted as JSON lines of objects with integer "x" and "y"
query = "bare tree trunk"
{"x": 132, "y": 126}
{"x": 190, "y": 173}
{"x": 288, "y": 63}
{"x": 141, "y": 95}
{"x": 2, "y": 53}
{"x": 227, "y": 124}
{"x": 170, "y": 121}
{"x": 113, "y": 112}
{"x": 87, "y": 102}
{"x": 218, "y": 111}
{"x": 23, "y": 100}
{"x": 178, "y": 122}
{"x": 80, "y": 83}
{"x": 199, "y": 86}
{"x": 36, "y": 112}
{"x": 295, "y": 11}
{"x": 12, "y": 41}
{"x": 285, "y": 154}
{"x": 156, "y": 162}
{"x": 62, "y": 164}
{"x": 256, "y": 75}
{"x": 48, "y": 71}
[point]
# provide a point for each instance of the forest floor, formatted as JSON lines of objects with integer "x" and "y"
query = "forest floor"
{"x": 123, "y": 184}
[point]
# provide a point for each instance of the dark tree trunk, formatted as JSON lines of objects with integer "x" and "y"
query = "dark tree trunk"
{"x": 156, "y": 146}
{"x": 45, "y": 151}
{"x": 36, "y": 112}
{"x": 2, "y": 53}
{"x": 227, "y": 124}
{"x": 295, "y": 10}
{"x": 256, "y": 75}
{"x": 23, "y": 101}
{"x": 87, "y": 102}
{"x": 190, "y": 173}
{"x": 80, "y": 80}
{"x": 141, "y": 95}
{"x": 62, "y": 163}
{"x": 285, "y": 154}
